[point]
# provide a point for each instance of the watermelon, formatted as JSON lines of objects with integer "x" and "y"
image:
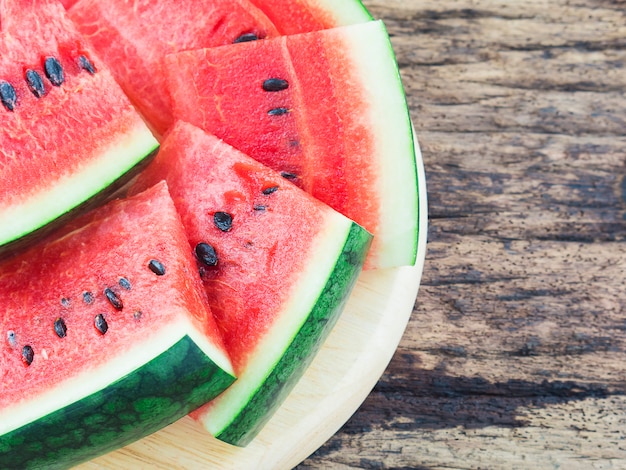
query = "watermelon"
{"x": 327, "y": 110}
{"x": 69, "y": 135}
{"x": 277, "y": 266}
{"x": 102, "y": 344}
{"x": 303, "y": 16}
{"x": 68, "y": 3}
{"x": 133, "y": 36}
{"x": 106, "y": 336}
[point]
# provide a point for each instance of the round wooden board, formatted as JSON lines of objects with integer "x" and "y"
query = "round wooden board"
{"x": 341, "y": 376}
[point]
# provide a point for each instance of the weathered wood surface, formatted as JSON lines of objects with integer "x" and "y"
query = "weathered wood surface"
{"x": 514, "y": 357}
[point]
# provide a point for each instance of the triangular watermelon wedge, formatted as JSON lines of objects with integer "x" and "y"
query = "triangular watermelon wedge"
{"x": 327, "y": 110}
{"x": 277, "y": 266}
{"x": 106, "y": 336}
{"x": 133, "y": 36}
{"x": 69, "y": 135}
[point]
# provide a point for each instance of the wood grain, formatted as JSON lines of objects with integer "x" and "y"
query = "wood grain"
{"x": 514, "y": 357}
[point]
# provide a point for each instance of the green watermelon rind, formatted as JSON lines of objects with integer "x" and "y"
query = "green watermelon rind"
{"x": 300, "y": 352}
{"x": 124, "y": 412}
{"x": 108, "y": 189}
{"x": 79, "y": 192}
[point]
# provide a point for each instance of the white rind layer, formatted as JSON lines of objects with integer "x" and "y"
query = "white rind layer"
{"x": 323, "y": 255}
{"x": 344, "y": 12}
{"x": 121, "y": 156}
{"x": 373, "y": 61}
{"x": 114, "y": 368}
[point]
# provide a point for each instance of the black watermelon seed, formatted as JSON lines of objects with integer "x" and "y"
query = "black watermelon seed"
{"x": 60, "y": 328}
{"x": 156, "y": 267}
{"x": 206, "y": 254}
{"x": 65, "y": 302}
{"x": 259, "y": 207}
{"x": 270, "y": 190}
{"x": 101, "y": 324}
{"x": 113, "y": 299}
{"x": 28, "y": 355}
{"x": 289, "y": 176}
{"x": 223, "y": 221}
{"x": 124, "y": 283}
{"x": 275, "y": 84}
{"x": 88, "y": 297}
{"x": 137, "y": 315}
{"x": 54, "y": 71}
{"x": 11, "y": 338}
{"x": 278, "y": 111}
{"x": 7, "y": 95}
{"x": 35, "y": 83}
{"x": 85, "y": 64}
{"x": 246, "y": 37}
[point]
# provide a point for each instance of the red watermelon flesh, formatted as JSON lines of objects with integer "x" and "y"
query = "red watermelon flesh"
{"x": 327, "y": 110}
{"x": 70, "y": 136}
{"x": 56, "y": 358}
{"x": 261, "y": 252}
{"x": 281, "y": 260}
{"x": 303, "y": 16}
{"x": 68, "y": 3}
{"x": 133, "y": 36}
{"x": 70, "y": 275}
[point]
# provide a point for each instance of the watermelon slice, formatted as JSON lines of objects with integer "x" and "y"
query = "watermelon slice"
{"x": 133, "y": 36}
{"x": 69, "y": 133}
{"x": 106, "y": 336}
{"x": 303, "y": 16}
{"x": 327, "y": 110}
{"x": 277, "y": 266}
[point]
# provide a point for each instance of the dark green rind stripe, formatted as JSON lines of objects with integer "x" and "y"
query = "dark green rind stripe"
{"x": 12, "y": 247}
{"x": 305, "y": 343}
{"x": 152, "y": 397}
{"x": 416, "y": 246}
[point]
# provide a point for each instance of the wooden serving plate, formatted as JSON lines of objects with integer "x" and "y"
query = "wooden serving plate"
{"x": 341, "y": 376}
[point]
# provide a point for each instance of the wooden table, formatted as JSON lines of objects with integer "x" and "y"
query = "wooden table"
{"x": 514, "y": 357}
